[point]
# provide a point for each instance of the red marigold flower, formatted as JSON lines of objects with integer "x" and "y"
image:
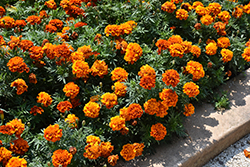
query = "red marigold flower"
{"x": 44, "y": 98}
{"x": 181, "y": 14}
{"x": 17, "y": 64}
{"x": 168, "y": 7}
{"x": 34, "y": 110}
{"x": 128, "y": 152}
{"x": 16, "y": 161}
{"x": 36, "y": 52}
{"x": 20, "y": 146}
{"x": 61, "y": 158}
{"x": 196, "y": 69}
{"x": 188, "y": 109}
{"x": 99, "y": 68}
{"x": 207, "y": 19}
{"x": 7, "y": 22}
{"x": 25, "y": 44}
{"x": 53, "y": 133}
{"x": 176, "y": 50}
{"x": 119, "y": 89}
{"x": 51, "y": 4}
{"x": 133, "y": 53}
{"x": 109, "y": 100}
{"x": 117, "y": 123}
{"x": 171, "y": 77}
{"x": 119, "y": 74}
{"x": 80, "y": 69}
{"x": 158, "y": 131}
{"x": 223, "y": 42}
{"x": 191, "y": 89}
{"x": 71, "y": 89}
{"x": 227, "y": 55}
{"x": 20, "y": 85}
{"x": 64, "y": 106}
{"x": 91, "y": 109}
{"x": 211, "y": 49}
{"x": 33, "y": 19}
{"x": 72, "y": 120}
{"x": 5, "y": 155}
{"x": 112, "y": 159}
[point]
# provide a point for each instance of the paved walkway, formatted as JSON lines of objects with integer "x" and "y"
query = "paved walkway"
{"x": 210, "y": 131}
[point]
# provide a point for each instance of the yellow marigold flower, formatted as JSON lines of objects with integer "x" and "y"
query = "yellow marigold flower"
{"x": 133, "y": 53}
{"x": 106, "y": 149}
{"x": 91, "y": 109}
{"x": 158, "y": 131}
{"x": 181, "y": 14}
{"x": 92, "y": 151}
{"x": 151, "y": 107}
{"x": 64, "y": 106}
{"x": 227, "y": 55}
{"x": 17, "y": 126}
{"x": 191, "y": 89}
{"x": 237, "y": 12}
{"x": 34, "y": 110}
{"x": 162, "y": 44}
{"x": 112, "y": 159}
{"x": 93, "y": 139}
{"x": 117, "y": 123}
{"x": 223, "y": 42}
{"x": 119, "y": 89}
{"x": 20, "y": 146}
{"x": 99, "y": 68}
{"x": 20, "y": 85}
{"x": 72, "y": 120}
{"x": 5, "y": 155}
{"x": 196, "y": 69}
{"x": 109, "y": 100}
{"x": 119, "y": 74}
{"x": 188, "y": 109}
{"x": 211, "y": 49}
{"x": 128, "y": 152}
{"x": 44, "y": 98}
{"x": 17, "y": 64}
{"x": 36, "y": 52}
{"x": 53, "y": 133}
{"x": 61, "y": 158}
{"x": 171, "y": 77}
{"x": 168, "y": 7}
{"x": 207, "y": 19}
{"x": 224, "y": 16}
{"x": 163, "y": 108}
{"x": 196, "y": 51}
{"x": 16, "y": 161}
{"x": 7, "y": 22}
{"x": 138, "y": 148}
{"x": 80, "y": 69}
{"x": 176, "y": 50}
{"x": 246, "y": 54}
{"x": 71, "y": 89}
{"x": 169, "y": 97}
{"x": 214, "y": 8}
{"x": 33, "y": 19}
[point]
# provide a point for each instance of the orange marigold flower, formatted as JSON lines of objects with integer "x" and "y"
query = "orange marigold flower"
{"x": 200, "y": 10}
{"x": 2, "y": 41}
{"x": 5, "y": 155}
{"x": 162, "y": 44}
{"x": 187, "y": 46}
{"x": 195, "y": 50}
{"x": 17, "y": 125}
{"x": 50, "y": 28}
{"x": 109, "y": 100}
{"x": 25, "y": 44}
{"x": 14, "y": 42}
{"x": 7, "y": 129}
{"x": 93, "y": 139}
{"x": 49, "y": 50}
{"x": 63, "y": 52}
{"x": 227, "y": 55}
{"x": 223, "y": 42}
{"x": 57, "y": 23}
{"x": 133, "y": 111}
{"x": 224, "y": 16}
{"x": 176, "y": 1}
{"x": 98, "y": 38}
{"x": 80, "y": 24}
{"x": 124, "y": 131}
{"x": 51, "y": 4}
{"x": 72, "y": 120}
{"x": 214, "y": 8}
{"x": 43, "y": 14}
{"x": 191, "y": 89}
{"x": 20, "y": 146}
{"x": 20, "y": 85}
{"x": 64, "y": 106}
{"x": 91, "y": 109}
{"x": 211, "y": 49}
{"x": 175, "y": 39}
{"x": 20, "y": 23}
{"x": 77, "y": 56}
{"x": 33, "y": 19}
{"x": 119, "y": 74}
{"x": 2, "y": 11}
{"x": 80, "y": 69}
{"x": 246, "y": 54}
{"x": 163, "y": 108}
{"x": 211, "y": 41}
{"x": 133, "y": 53}
{"x": 7, "y": 22}
{"x": 196, "y": 4}
{"x": 61, "y": 158}
{"x": 119, "y": 89}
{"x": 197, "y": 26}
{"x": 158, "y": 131}
{"x": 176, "y": 50}
{"x": 32, "y": 78}
{"x": 121, "y": 44}
{"x": 106, "y": 149}
{"x": 44, "y": 98}
{"x": 237, "y": 12}
{"x": 112, "y": 159}
{"x": 248, "y": 43}
{"x": 151, "y": 106}
{"x": 207, "y": 19}
{"x": 53, "y": 133}
{"x": 169, "y": 97}
{"x": 71, "y": 89}
{"x": 181, "y": 14}
{"x": 128, "y": 152}
{"x": 114, "y": 30}
{"x": 16, "y": 161}
{"x": 17, "y": 64}
{"x": 168, "y": 7}
{"x": 147, "y": 70}
{"x": 196, "y": 69}
{"x": 117, "y": 123}
{"x": 34, "y": 110}
{"x": 86, "y": 50}
{"x": 188, "y": 109}
{"x": 138, "y": 148}
{"x": 92, "y": 151}
{"x": 147, "y": 82}
{"x": 171, "y": 77}
{"x": 246, "y": 8}
{"x": 99, "y": 68}
{"x": 36, "y": 52}
{"x": 220, "y": 28}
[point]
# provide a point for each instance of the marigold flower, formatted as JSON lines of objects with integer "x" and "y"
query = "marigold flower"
{"x": 211, "y": 49}
{"x": 50, "y": 28}
{"x": 168, "y": 7}
{"x": 14, "y": 42}
{"x": 63, "y": 52}
{"x": 117, "y": 123}
{"x": 214, "y": 8}
{"x": 124, "y": 131}
{"x": 99, "y": 68}
{"x": 20, "y": 23}
{"x": 72, "y": 120}
{"x": 138, "y": 148}
{"x": 171, "y": 77}
{"x": 51, "y": 4}
{"x": 17, "y": 64}
{"x": 163, "y": 108}
{"x": 175, "y": 39}
{"x": 133, "y": 111}
{"x": 20, "y": 85}
{"x": 86, "y": 50}
{"x": 187, "y": 46}
{"x": 197, "y": 26}
{"x": 151, "y": 106}
{"x": 16, "y": 161}
{"x": 43, "y": 14}
{"x": 224, "y": 16}
{"x": 20, "y": 146}
{"x": 195, "y": 50}
{"x": 196, "y": 4}
{"x": 109, "y": 100}
{"x": 80, "y": 24}
{"x": 207, "y": 19}
{"x": 181, "y": 14}
{"x": 93, "y": 139}
{"x": 119, "y": 74}
{"x": 169, "y": 97}
{"x": 2, "y": 11}
{"x": 7, "y": 129}
{"x": 158, "y": 131}
{"x": 147, "y": 70}
{"x": 25, "y": 44}
{"x": 112, "y": 159}
{"x": 61, "y": 158}
{"x": 237, "y": 12}
{"x": 147, "y": 82}
{"x": 44, "y": 98}
{"x": 196, "y": 69}
{"x": 162, "y": 44}
{"x": 49, "y": 50}
{"x": 188, "y": 109}
{"x": 64, "y": 106}
{"x": 57, "y": 23}
{"x": 114, "y": 30}
{"x": 80, "y": 69}
{"x": 34, "y": 110}
{"x": 106, "y": 149}
{"x": 227, "y": 55}
{"x": 71, "y": 89}
{"x": 5, "y": 155}
{"x": 200, "y": 10}
{"x": 92, "y": 151}
{"x": 128, "y": 152}
{"x": 121, "y": 44}
{"x": 17, "y": 126}
{"x": 76, "y": 56}
{"x": 133, "y": 53}
{"x": 223, "y": 42}
{"x": 7, "y": 22}
{"x": 33, "y": 19}
{"x": 2, "y": 41}
{"x": 248, "y": 43}
{"x": 246, "y": 54}
{"x": 246, "y": 8}
{"x": 176, "y": 50}
{"x": 191, "y": 89}
{"x": 91, "y": 109}
{"x": 36, "y": 52}
{"x": 119, "y": 89}
{"x": 176, "y": 1}
{"x": 53, "y": 133}
{"x": 220, "y": 28}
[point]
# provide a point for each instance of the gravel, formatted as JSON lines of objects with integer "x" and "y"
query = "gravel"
{"x": 233, "y": 156}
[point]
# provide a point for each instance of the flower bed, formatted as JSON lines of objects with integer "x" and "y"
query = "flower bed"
{"x": 85, "y": 83}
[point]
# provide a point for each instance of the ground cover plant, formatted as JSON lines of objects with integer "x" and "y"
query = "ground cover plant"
{"x": 85, "y": 83}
